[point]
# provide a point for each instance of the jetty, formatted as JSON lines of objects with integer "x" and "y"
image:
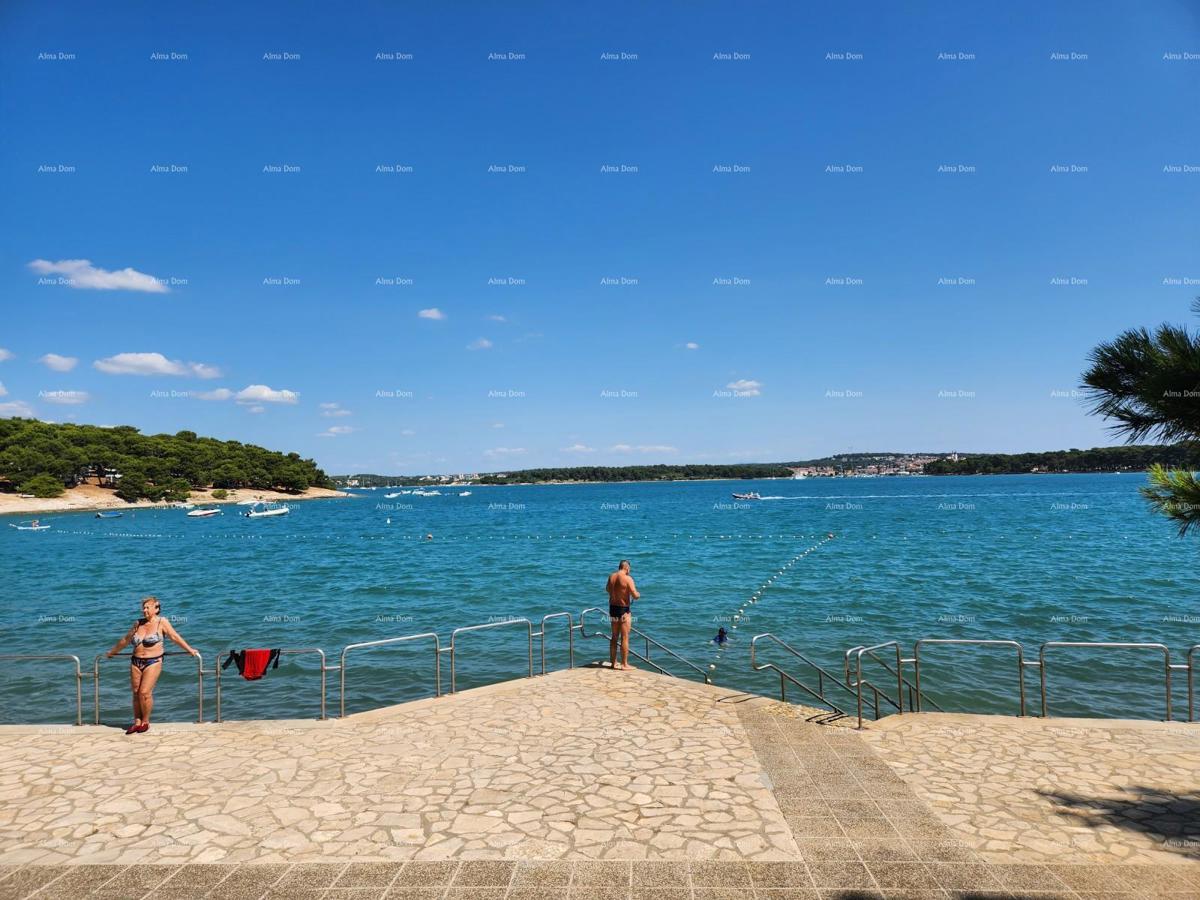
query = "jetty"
{"x": 589, "y": 782}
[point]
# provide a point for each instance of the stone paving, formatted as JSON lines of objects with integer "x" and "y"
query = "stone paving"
{"x": 598, "y": 784}
{"x": 1043, "y": 790}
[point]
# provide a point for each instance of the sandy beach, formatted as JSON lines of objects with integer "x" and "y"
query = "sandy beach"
{"x": 87, "y": 497}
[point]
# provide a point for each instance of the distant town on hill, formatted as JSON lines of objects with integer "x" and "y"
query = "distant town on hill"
{"x": 1134, "y": 458}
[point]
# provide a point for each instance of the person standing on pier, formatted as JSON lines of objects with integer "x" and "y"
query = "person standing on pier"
{"x": 621, "y": 594}
{"x": 148, "y": 636}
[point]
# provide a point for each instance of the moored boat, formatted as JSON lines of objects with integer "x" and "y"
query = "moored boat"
{"x": 264, "y": 510}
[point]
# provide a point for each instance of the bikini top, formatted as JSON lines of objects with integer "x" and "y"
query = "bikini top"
{"x": 147, "y": 640}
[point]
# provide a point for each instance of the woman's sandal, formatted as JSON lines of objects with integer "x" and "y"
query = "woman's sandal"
{"x": 133, "y": 729}
{"x": 143, "y": 728}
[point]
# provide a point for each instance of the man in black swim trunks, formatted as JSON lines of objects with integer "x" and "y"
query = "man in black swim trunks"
{"x": 621, "y": 593}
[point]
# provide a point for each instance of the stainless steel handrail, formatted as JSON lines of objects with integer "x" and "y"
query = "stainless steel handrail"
{"x": 923, "y": 641}
{"x": 1117, "y": 645}
{"x": 822, "y": 673}
{"x": 899, "y": 704}
{"x": 1191, "y": 681}
{"x": 649, "y": 640}
{"x": 913, "y": 701}
{"x": 284, "y": 651}
{"x": 78, "y": 675}
{"x": 437, "y": 662}
{"x": 570, "y": 638}
{"x": 457, "y": 631}
{"x": 199, "y": 678}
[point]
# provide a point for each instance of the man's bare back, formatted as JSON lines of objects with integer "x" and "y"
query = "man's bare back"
{"x": 620, "y": 588}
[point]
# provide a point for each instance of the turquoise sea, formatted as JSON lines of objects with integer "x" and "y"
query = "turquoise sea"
{"x": 1030, "y": 558}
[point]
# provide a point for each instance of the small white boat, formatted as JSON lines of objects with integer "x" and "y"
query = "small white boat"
{"x": 264, "y": 510}
{"x": 249, "y": 502}
{"x": 753, "y": 495}
{"x": 464, "y": 493}
{"x": 29, "y": 526}
{"x": 392, "y": 496}
{"x": 109, "y": 515}
{"x": 202, "y": 513}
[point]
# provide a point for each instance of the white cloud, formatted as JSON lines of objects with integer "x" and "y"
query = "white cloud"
{"x": 3, "y": 390}
{"x": 336, "y": 431}
{"x": 432, "y": 313}
{"x": 5, "y": 354}
{"x": 59, "y": 363}
{"x": 257, "y": 409}
{"x": 692, "y": 345}
{"x": 260, "y": 393}
{"x": 334, "y": 410}
{"x": 83, "y": 275}
{"x": 495, "y": 317}
{"x": 16, "y": 408}
{"x": 407, "y": 432}
{"x": 497, "y": 424}
{"x": 578, "y": 448}
{"x": 504, "y": 451}
{"x": 64, "y": 398}
{"x": 218, "y": 394}
{"x": 153, "y": 364}
{"x": 479, "y": 344}
{"x": 746, "y": 387}
{"x": 642, "y": 448}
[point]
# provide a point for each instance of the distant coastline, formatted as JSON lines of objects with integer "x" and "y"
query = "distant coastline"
{"x": 90, "y": 498}
{"x": 1130, "y": 458}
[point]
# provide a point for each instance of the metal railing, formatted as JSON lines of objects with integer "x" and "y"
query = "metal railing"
{"x": 1191, "y": 681}
{"x": 916, "y": 661}
{"x": 914, "y": 701}
{"x": 823, "y": 674}
{"x": 649, "y": 642}
{"x": 570, "y": 638}
{"x": 485, "y": 627}
{"x": 437, "y": 662}
{"x": 859, "y": 681}
{"x": 1112, "y": 645}
{"x": 200, "y": 673}
{"x": 286, "y": 651}
{"x": 1023, "y": 663}
{"x": 342, "y": 666}
{"x": 79, "y": 675}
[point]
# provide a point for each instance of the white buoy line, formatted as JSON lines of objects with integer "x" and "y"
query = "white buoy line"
{"x": 736, "y": 619}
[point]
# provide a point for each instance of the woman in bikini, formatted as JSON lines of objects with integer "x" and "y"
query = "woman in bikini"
{"x": 147, "y": 635}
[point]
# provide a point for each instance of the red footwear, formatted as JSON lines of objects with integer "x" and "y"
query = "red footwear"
{"x": 133, "y": 729}
{"x": 143, "y": 728}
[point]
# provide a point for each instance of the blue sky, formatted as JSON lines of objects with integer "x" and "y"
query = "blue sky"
{"x": 736, "y": 341}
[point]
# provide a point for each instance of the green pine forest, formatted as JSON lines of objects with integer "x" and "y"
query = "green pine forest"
{"x": 43, "y": 459}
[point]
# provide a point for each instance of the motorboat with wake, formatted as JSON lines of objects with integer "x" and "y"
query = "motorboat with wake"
{"x": 753, "y": 495}
{"x": 203, "y": 512}
{"x": 265, "y": 510}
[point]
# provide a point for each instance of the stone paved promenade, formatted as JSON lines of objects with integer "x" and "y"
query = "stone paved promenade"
{"x": 599, "y": 784}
